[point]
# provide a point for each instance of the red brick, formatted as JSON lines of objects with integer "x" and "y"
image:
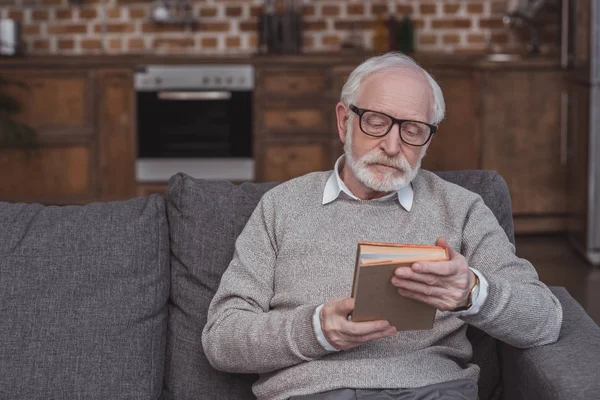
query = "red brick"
{"x": 115, "y": 28}
{"x": 451, "y": 39}
{"x": 209, "y": 42}
{"x": 475, "y": 8}
{"x": 253, "y": 41}
{"x": 88, "y": 13}
{"x": 208, "y": 12}
{"x": 214, "y": 26}
{"x": 331, "y": 40}
{"x": 475, "y": 39}
{"x": 91, "y": 44}
{"x": 235, "y": 11}
{"x": 308, "y": 11}
{"x": 314, "y": 25}
{"x": 255, "y": 11}
{"x": 173, "y": 43}
{"x": 427, "y": 8}
{"x": 16, "y": 15}
{"x": 342, "y": 25}
{"x": 233, "y": 42}
{"x": 30, "y": 30}
{"x": 493, "y": 23}
{"x": 451, "y": 8}
{"x": 137, "y": 12}
{"x": 136, "y": 44}
{"x": 330, "y": 11}
{"x": 41, "y": 44}
{"x": 402, "y": 10}
{"x": 115, "y": 44}
{"x": 113, "y": 13}
{"x": 308, "y": 42}
{"x": 248, "y": 26}
{"x": 66, "y": 29}
{"x": 39, "y": 15}
{"x": 451, "y": 23}
{"x": 356, "y": 9}
{"x": 377, "y": 9}
{"x": 427, "y": 39}
{"x": 64, "y": 13}
{"x": 66, "y": 44}
{"x": 149, "y": 27}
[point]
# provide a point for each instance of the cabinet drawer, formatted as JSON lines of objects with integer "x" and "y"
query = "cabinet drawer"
{"x": 295, "y": 83}
{"x": 283, "y": 162}
{"x": 297, "y": 120}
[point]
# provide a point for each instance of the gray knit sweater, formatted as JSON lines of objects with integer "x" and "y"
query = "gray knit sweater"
{"x": 296, "y": 253}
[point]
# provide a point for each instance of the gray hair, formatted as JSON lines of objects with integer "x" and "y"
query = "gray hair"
{"x": 387, "y": 61}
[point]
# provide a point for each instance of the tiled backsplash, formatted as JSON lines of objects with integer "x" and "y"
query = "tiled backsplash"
{"x": 230, "y": 26}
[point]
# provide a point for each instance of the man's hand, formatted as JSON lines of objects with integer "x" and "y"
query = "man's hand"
{"x": 443, "y": 284}
{"x": 343, "y": 334}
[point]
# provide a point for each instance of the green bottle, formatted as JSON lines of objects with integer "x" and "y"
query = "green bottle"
{"x": 405, "y": 36}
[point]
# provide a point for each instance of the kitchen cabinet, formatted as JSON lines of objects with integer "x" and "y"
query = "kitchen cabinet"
{"x": 524, "y": 140}
{"x": 505, "y": 118}
{"x": 84, "y": 119}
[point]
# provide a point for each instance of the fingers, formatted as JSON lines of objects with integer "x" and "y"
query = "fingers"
{"x": 442, "y": 242}
{"x": 343, "y": 334}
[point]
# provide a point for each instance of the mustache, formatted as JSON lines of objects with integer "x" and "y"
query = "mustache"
{"x": 400, "y": 162}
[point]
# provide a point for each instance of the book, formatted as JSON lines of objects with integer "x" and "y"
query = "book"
{"x": 375, "y": 298}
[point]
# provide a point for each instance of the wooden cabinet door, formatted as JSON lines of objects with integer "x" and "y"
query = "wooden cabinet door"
{"x": 56, "y": 104}
{"x": 457, "y": 143}
{"x": 50, "y": 175}
{"x": 116, "y": 134}
{"x": 281, "y": 162}
{"x": 523, "y": 137}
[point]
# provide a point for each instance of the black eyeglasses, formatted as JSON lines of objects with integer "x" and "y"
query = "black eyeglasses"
{"x": 377, "y": 124}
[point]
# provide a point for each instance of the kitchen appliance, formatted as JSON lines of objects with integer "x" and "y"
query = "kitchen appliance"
{"x": 195, "y": 119}
{"x": 9, "y": 37}
{"x": 580, "y": 54}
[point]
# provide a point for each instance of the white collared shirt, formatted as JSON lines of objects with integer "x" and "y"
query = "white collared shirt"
{"x": 336, "y": 188}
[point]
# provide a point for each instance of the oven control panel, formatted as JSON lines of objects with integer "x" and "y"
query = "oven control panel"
{"x": 194, "y": 77}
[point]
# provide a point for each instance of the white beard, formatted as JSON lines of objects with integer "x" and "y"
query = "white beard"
{"x": 390, "y": 182}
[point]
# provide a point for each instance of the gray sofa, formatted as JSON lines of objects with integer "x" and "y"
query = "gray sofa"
{"x": 108, "y": 301}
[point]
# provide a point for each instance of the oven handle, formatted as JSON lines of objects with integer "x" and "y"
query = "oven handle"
{"x": 194, "y": 95}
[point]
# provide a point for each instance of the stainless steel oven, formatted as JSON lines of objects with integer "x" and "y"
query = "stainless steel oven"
{"x": 194, "y": 119}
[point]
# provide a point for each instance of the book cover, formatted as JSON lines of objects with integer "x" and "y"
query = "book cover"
{"x": 375, "y": 296}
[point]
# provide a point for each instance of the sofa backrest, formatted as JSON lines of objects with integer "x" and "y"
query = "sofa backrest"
{"x": 83, "y": 295}
{"x": 205, "y": 218}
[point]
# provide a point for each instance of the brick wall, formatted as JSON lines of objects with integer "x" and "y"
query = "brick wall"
{"x": 229, "y": 26}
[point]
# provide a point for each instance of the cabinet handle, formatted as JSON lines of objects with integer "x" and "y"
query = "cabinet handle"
{"x": 564, "y": 124}
{"x": 564, "y": 37}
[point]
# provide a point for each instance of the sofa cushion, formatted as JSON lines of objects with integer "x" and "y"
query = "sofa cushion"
{"x": 205, "y": 218}
{"x": 83, "y": 293}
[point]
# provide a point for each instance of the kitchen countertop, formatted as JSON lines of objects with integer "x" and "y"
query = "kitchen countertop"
{"x": 460, "y": 61}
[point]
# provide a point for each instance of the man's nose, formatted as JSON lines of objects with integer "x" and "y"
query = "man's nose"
{"x": 391, "y": 143}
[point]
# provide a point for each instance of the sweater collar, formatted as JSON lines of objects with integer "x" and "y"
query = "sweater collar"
{"x": 335, "y": 188}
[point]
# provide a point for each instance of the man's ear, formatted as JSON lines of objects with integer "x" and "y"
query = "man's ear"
{"x": 342, "y": 113}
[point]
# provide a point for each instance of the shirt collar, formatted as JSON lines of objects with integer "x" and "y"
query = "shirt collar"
{"x": 335, "y": 188}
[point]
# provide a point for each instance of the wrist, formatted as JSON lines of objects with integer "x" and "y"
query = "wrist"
{"x": 469, "y": 300}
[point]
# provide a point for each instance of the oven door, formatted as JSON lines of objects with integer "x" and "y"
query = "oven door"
{"x": 194, "y": 124}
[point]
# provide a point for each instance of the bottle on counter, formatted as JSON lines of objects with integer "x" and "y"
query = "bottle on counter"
{"x": 405, "y": 35}
{"x": 381, "y": 35}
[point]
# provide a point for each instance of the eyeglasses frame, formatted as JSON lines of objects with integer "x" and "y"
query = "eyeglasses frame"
{"x": 361, "y": 111}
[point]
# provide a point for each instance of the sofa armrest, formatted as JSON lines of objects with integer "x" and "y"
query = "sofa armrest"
{"x": 567, "y": 369}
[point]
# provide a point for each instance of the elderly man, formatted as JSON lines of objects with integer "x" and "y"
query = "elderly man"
{"x": 282, "y": 306}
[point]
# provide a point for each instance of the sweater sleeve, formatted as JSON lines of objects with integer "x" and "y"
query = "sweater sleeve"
{"x": 242, "y": 333}
{"x": 519, "y": 309}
